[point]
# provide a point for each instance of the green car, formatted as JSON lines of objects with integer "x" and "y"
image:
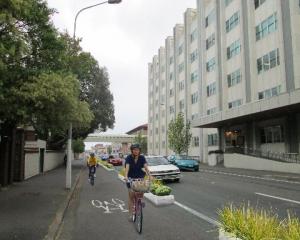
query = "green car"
{"x": 184, "y": 162}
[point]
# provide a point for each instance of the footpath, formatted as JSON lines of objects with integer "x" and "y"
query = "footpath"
{"x": 33, "y": 209}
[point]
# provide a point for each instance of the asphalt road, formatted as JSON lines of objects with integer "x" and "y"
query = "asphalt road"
{"x": 100, "y": 212}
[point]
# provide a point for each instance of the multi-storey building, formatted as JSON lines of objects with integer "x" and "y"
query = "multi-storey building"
{"x": 233, "y": 69}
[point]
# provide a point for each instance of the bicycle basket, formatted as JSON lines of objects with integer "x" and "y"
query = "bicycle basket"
{"x": 140, "y": 185}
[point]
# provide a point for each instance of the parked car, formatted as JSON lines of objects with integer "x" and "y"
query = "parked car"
{"x": 115, "y": 160}
{"x": 160, "y": 168}
{"x": 104, "y": 156}
{"x": 184, "y": 162}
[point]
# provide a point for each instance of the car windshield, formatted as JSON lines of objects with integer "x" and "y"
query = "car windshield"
{"x": 154, "y": 161}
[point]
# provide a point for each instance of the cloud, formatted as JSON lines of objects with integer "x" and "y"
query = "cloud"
{"x": 124, "y": 38}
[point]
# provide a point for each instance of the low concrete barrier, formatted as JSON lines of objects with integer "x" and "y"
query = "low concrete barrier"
{"x": 235, "y": 160}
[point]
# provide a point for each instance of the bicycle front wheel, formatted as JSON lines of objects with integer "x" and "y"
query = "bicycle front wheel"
{"x": 139, "y": 217}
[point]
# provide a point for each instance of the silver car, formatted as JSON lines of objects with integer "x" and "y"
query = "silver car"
{"x": 160, "y": 168}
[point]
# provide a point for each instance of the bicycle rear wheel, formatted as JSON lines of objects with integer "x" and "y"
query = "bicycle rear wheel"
{"x": 92, "y": 180}
{"x": 139, "y": 216}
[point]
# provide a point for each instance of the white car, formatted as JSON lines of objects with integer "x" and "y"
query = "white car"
{"x": 160, "y": 168}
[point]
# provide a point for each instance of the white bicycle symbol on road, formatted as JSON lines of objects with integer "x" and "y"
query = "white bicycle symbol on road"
{"x": 109, "y": 207}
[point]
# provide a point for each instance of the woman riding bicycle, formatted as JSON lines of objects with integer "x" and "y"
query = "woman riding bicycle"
{"x": 134, "y": 165}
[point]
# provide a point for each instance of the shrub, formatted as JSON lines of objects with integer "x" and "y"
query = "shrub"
{"x": 122, "y": 172}
{"x": 163, "y": 190}
{"x": 246, "y": 222}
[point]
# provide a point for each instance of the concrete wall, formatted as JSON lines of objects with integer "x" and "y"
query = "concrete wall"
{"x": 53, "y": 160}
{"x": 254, "y": 163}
{"x": 32, "y": 162}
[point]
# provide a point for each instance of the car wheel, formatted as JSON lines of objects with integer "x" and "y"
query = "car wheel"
{"x": 177, "y": 180}
{"x": 196, "y": 169}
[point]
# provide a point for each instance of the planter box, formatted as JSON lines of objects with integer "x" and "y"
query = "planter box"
{"x": 106, "y": 168}
{"x": 159, "y": 200}
{"x": 226, "y": 236}
{"x": 122, "y": 178}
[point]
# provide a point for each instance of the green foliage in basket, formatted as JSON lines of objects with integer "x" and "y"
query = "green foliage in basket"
{"x": 246, "y": 222}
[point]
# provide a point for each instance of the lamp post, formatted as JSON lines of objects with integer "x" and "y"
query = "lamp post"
{"x": 69, "y": 165}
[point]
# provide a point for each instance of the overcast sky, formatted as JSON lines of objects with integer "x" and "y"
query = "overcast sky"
{"x": 123, "y": 38}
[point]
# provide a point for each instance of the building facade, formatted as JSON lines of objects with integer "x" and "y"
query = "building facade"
{"x": 233, "y": 69}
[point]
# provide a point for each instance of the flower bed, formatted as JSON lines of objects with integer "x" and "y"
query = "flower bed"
{"x": 106, "y": 165}
{"x": 246, "y": 222}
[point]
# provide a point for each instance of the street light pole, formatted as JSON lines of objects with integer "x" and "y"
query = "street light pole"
{"x": 69, "y": 153}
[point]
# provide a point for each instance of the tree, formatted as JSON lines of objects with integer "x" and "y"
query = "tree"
{"x": 94, "y": 86}
{"x": 142, "y": 141}
{"x": 179, "y": 135}
{"x": 78, "y": 145}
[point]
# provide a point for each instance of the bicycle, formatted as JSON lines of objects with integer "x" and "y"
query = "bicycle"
{"x": 92, "y": 170}
{"x": 139, "y": 186}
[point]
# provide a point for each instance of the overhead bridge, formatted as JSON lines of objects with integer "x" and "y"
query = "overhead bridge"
{"x": 113, "y": 138}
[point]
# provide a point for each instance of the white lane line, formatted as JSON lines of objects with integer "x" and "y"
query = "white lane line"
{"x": 279, "y": 198}
{"x": 247, "y": 176}
{"x": 197, "y": 214}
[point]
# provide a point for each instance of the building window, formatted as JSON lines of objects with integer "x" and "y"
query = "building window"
{"x": 257, "y": 3}
{"x": 171, "y": 60}
{"x": 171, "y": 76}
{"x": 235, "y": 103}
{"x": 172, "y": 109}
{"x": 268, "y": 61}
{"x": 212, "y": 139}
{"x": 267, "y": 26}
{"x": 234, "y": 49}
{"x": 163, "y": 129}
{"x": 234, "y": 78}
{"x": 210, "y": 18}
{"x": 193, "y": 35}
{"x": 171, "y": 92}
{"x": 210, "y": 65}
{"x": 227, "y": 2}
{"x": 180, "y": 67}
{"x": 273, "y": 134}
{"x": 211, "y": 89}
{"x": 194, "y": 98}
{"x": 271, "y": 92}
{"x": 232, "y": 22}
{"x": 156, "y": 145}
{"x": 156, "y": 130}
{"x": 194, "y": 76}
{"x": 211, "y": 111}
{"x": 181, "y": 105}
{"x": 196, "y": 141}
{"x": 156, "y": 116}
{"x": 181, "y": 85}
{"x": 194, "y": 116}
{"x": 163, "y": 144}
{"x": 180, "y": 49}
{"x": 210, "y": 41}
{"x": 194, "y": 56}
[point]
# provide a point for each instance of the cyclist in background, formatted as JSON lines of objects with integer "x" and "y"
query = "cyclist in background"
{"x": 134, "y": 164}
{"x": 92, "y": 163}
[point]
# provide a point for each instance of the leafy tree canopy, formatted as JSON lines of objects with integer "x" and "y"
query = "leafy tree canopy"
{"x": 46, "y": 80}
{"x": 179, "y": 135}
{"x": 142, "y": 141}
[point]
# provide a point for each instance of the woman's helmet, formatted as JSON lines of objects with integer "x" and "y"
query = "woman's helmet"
{"x": 135, "y": 146}
{"x": 92, "y": 154}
